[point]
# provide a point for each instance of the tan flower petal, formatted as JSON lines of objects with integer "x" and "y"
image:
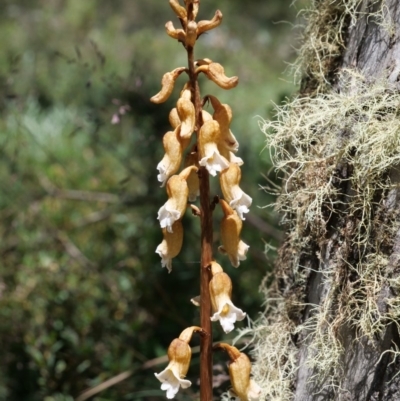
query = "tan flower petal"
{"x": 171, "y": 244}
{"x": 204, "y": 26}
{"x": 173, "y": 118}
{"x": 178, "y": 9}
{"x": 187, "y": 116}
{"x": 167, "y": 82}
{"x": 191, "y": 34}
{"x": 216, "y": 73}
{"x": 233, "y": 194}
{"x": 231, "y": 226}
{"x": 210, "y": 157}
{"x": 172, "y": 159}
{"x": 178, "y": 34}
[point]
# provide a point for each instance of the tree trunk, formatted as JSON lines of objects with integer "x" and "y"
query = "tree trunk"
{"x": 338, "y": 272}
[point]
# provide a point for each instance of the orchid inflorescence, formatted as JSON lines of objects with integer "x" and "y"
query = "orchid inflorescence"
{"x": 209, "y": 152}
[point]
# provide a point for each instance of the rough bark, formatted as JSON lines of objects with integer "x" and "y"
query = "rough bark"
{"x": 368, "y": 371}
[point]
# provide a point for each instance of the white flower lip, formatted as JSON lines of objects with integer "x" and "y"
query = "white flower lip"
{"x": 171, "y": 381}
{"x": 214, "y": 162}
{"x": 228, "y": 318}
{"x": 168, "y": 216}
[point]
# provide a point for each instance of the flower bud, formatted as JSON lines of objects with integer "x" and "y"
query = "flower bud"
{"x": 210, "y": 157}
{"x": 238, "y": 200}
{"x": 231, "y": 226}
{"x": 239, "y": 371}
{"x": 220, "y": 292}
{"x": 216, "y": 73}
{"x": 171, "y": 245}
{"x": 191, "y": 34}
{"x": 178, "y": 34}
{"x": 167, "y": 82}
{"x": 204, "y": 26}
{"x": 178, "y": 9}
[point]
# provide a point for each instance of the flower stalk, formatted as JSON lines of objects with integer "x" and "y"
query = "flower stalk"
{"x": 211, "y": 154}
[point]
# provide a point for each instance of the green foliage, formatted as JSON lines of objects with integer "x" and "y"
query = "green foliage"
{"x": 82, "y": 293}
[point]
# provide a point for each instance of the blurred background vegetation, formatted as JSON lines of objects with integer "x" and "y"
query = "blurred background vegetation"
{"x": 83, "y": 296}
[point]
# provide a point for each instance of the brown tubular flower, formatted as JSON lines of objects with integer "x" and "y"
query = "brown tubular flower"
{"x": 223, "y": 114}
{"x": 238, "y": 200}
{"x": 208, "y": 139}
{"x": 173, "y": 147}
{"x": 167, "y": 82}
{"x": 216, "y": 73}
{"x": 178, "y": 34}
{"x": 231, "y": 226}
{"x": 239, "y": 368}
{"x": 179, "y": 355}
{"x": 220, "y": 292}
{"x": 171, "y": 244}
{"x": 178, "y": 9}
{"x": 204, "y": 26}
{"x": 186, "y": 113}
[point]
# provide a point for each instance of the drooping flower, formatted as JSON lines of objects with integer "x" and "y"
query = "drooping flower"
{"x": 171, "y": 245}
{"x": 167, "y": 82}
{"x": 216, "y": 73}
{"x": 179, "y": 355}
{"x": 231, "y": 226}
{"x": 210, "y": 156}
{"x": 223, "y": 115}
{"x": 238, "y": 200}
{"x": 186, "y": 113}
{"x": 239, "y": 368}
{"x": 220, "y": 292}
{"x": 174, "y": 146}
{"x": 178, "y": 192}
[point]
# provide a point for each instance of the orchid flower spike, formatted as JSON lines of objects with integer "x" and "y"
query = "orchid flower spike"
{"x": 216, "y": 73}
{"x": 210, "y": 156}
{"x": 231, "y": 226}
{"x": 238, "y": 200}
{"x": 220, "y": 291}
{"x": 167, "y": 82}
{"x": 173, "y": 147}
{"x": 171, "y": 244}
{"x": 223, "y": 115}
{"x": 239, "y": 368}
{"x": 193, "y": 179}
{"x": 178, "y": 192}
{"x": 179, "y": 355}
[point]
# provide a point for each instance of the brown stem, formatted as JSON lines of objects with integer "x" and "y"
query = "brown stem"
{"x": 206, "y": 250}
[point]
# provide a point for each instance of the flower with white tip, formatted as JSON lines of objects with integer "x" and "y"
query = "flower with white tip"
{"x": 220, "y": 292}
{"x": 178, "y": 192}
{"x": 243, "y": 387}
{"x": 231, "y": 226}
{"x": 210, "y": 156}
{"x": 233, "y": 194}
{"x": 171, "y": 244}
{"x": 170, "y": 163}
{"x": 179, "y": 355}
